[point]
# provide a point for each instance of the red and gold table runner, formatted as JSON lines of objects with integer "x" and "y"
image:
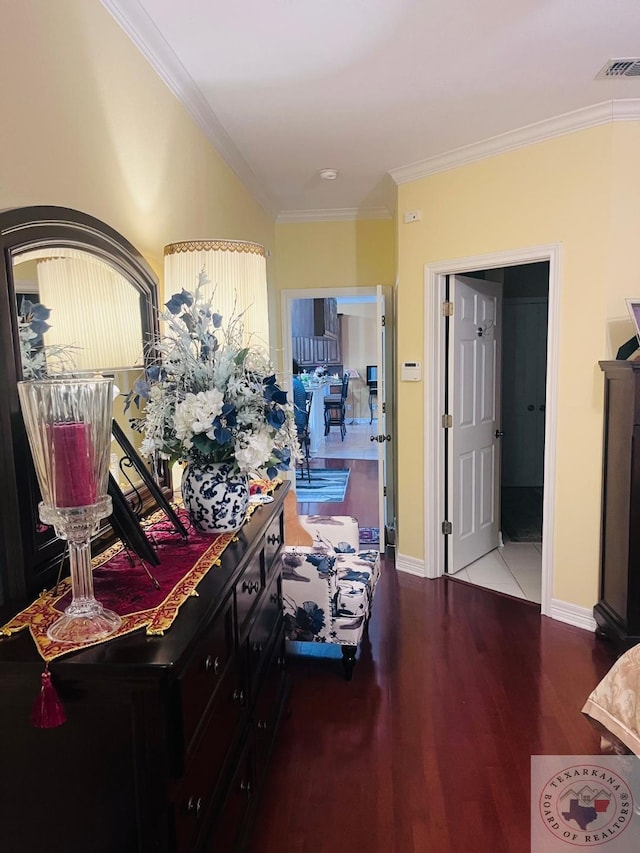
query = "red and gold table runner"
{"x": 128, "y": 590}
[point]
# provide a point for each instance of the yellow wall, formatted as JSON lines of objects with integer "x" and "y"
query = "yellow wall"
{"x": 87, "y": 123}
{"x": 623, "y": 275}
{"x": 580, "y": 191}
{"x": 355, "y": 253}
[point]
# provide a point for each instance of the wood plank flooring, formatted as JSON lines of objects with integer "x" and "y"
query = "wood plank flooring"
{"x": 428, "y": 748}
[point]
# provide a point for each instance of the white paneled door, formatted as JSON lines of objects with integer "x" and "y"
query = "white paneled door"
{"x": 474, "y": 402}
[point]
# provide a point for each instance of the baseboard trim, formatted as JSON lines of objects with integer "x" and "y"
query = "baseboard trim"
{"x": 410, "y": 565}
{"x": 572, "y": 614}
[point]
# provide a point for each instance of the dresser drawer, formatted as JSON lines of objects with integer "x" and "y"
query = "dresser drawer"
{"x": 266, "y": 623}
{"x": 269, "y": 702}
{"x": 204, "y": 673}
{"x": 230, "y": 824}
{"x": 273, "y": 541}
{"x": 194, "y": 792}
{"x": 248, "y": 591}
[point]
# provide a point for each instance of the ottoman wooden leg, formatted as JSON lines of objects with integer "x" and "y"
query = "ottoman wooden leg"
{"x": 348, "y": 660}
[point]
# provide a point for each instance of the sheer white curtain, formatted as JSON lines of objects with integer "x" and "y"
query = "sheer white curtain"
{"x": 238, "y": 273}
{"x": 93, "y": 308}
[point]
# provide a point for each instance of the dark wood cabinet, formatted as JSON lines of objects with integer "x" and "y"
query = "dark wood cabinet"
{"x": 314, "y": 318}
{"x": 316, "y": 332}
{"x": 618, "y": 611}
{"x": 314, "y": 351}
{"x": 168, "y": 738}
{"x": 325, "y": 318}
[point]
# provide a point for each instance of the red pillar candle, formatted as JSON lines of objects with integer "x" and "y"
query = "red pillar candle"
{"x": 74, "y": 476}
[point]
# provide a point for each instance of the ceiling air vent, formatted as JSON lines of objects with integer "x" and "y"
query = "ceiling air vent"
{"x": 616, "y": 68}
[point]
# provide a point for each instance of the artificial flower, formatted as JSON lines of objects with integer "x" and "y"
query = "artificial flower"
{"x": 208, "y": 397}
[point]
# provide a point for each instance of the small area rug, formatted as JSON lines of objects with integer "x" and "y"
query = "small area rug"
{"x": 327, "y": 485}
{"x": 369, "y": 535}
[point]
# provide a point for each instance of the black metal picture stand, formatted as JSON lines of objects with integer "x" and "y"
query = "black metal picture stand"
{"x": 124, "y": 520}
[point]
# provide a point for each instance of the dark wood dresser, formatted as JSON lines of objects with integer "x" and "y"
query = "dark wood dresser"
{"x": 618, "y": 611}
{"x": 168, "y": 738}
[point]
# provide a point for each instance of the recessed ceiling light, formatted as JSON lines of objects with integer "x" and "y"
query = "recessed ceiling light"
{"x": 329, "y": 174}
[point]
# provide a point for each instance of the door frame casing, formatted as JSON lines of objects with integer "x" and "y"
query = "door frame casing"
{"x": 434, "y": 384}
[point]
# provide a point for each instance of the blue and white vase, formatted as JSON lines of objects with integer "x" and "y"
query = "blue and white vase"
{"x": 215, "y": 496}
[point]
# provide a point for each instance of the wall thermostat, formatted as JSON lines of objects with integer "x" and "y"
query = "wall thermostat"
{"x": 411, "y": 371}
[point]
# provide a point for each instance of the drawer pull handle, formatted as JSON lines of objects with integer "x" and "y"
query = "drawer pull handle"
{"x": 238, "y": 696}
{"x": 246, "y": 786}
{"x": 274, "y": 597}
{"x": 262, "y": 724}
{"x": 257, "y": 648}
{"x": 194, "y": 805}
{"x": 280, "y": 661}
{"x": 212, "y": 665}
{"x": 273, "y": 539}
{"x": 250, "y": 586}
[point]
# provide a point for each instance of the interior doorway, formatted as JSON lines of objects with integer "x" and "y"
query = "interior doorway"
{"x": 362, "y": 315}
{"x": 436, "y": 452}
{"x": 496, "y": 388}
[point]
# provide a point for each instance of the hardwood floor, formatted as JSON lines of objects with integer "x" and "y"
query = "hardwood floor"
{"x": 428, "y": 748}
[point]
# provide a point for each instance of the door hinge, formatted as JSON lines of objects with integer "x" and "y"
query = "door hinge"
{"x": 447, "y": 421}
{"x": 447, "y": 309}
{"x": 384, "y": 491}
{"x": 384, "y": 408}
{"x": 384, "y": 320}
{"x": 447, "y": 528}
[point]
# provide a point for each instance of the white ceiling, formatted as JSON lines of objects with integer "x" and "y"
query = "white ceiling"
{"x": 285, "y": 88}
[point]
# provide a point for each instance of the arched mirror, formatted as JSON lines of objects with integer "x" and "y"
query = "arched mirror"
{"x": 102, "y": 299}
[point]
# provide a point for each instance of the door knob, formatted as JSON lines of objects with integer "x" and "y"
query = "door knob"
{"x": 530, "y": 407}
{"x": 541, "y": 408}
{"x": 498, "y": 433}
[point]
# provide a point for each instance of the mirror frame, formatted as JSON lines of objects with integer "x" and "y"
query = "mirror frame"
{"x": 25, "y": 567}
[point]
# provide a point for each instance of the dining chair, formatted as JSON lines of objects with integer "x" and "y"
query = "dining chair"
{"x": 304, "y": 439}
{"x": 335, "y": 407}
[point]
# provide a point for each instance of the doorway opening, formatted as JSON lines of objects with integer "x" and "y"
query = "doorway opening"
{"x": 537, "y": 272}
{"x": 344, "y": 440}
{"x": 497, "y": 542}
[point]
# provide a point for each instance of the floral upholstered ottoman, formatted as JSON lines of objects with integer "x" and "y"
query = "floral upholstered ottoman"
{"x": 328, "y": 587}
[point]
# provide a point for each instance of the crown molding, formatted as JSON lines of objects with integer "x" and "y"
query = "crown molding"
{"x": 137, "y": 24}
{"x": 593, "y": 116}
{"x": 338, "y": 214}
{"x": 626, "y": 109}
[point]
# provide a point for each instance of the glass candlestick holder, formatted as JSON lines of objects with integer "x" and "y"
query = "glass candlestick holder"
{"x": 68, "y": 422}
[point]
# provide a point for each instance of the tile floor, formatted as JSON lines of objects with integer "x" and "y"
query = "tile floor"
{"x": 515, "y": 569}
{"x": 356, "y": 445}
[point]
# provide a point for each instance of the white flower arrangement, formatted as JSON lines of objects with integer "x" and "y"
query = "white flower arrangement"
{"x": 209, "y": 397}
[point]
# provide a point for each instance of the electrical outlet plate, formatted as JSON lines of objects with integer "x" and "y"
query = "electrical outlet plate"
{"x": 412, "y": 216}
